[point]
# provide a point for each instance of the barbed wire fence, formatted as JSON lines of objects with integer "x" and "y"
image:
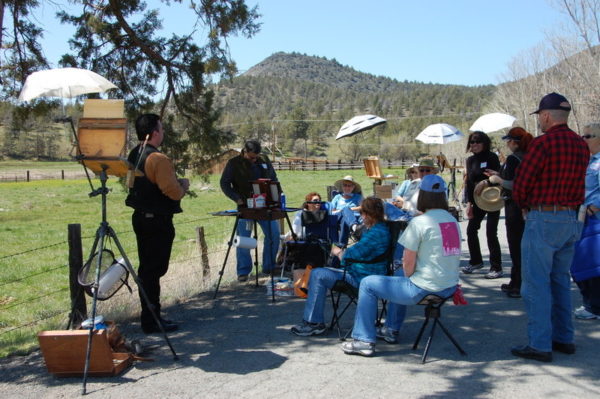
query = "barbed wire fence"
{"x": 192, "y": 270}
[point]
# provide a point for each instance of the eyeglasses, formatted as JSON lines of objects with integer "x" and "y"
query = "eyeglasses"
{"x": 475, "y": 142}
{"x": 348, "y": 185}
{"x": 425, "y": 170}
{"x": 588, "y": 136}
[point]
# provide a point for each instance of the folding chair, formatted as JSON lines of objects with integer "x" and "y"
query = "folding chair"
{"x": 318, "y": 232}
{"x": 433, "y": 304}
{"x": 343, "y": 288}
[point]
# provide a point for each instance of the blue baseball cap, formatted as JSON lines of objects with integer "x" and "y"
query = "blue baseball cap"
{"x": 433, "y": 184}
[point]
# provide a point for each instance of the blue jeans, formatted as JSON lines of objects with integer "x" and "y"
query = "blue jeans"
{"x": 399, "y": 291}
{"x": 547, "y": 250}
{"x": 270, "y": 229}
{"x": 321, "y": 281}
{"x": 347, "y": 217}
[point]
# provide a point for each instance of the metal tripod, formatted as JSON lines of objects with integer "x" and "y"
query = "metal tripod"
{"x": 103, "y": 233}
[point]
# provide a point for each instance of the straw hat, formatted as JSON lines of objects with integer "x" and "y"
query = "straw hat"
{"x": 350, "y": 179}
{"x": 490, "y": 199}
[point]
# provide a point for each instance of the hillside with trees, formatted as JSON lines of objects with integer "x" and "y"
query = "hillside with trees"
{"x": 305, "y": 99}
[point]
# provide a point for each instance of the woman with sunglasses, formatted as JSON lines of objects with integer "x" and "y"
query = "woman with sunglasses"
{"x": 517, "y": 141}
{"x": 482, "y": 159}
{"x": 412, "y": 174}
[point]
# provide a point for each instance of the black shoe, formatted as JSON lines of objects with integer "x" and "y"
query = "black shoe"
{"x": 154, "y": 328}
{"x": 506, "y": 287}
{"x": 243, "y": 278}
{"x": 569, "y": 349}
{"x": 527, "y": 352}
{"x": 513, "y": 293}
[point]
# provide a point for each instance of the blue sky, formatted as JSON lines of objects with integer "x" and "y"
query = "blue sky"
{"x": 458, "y": 42}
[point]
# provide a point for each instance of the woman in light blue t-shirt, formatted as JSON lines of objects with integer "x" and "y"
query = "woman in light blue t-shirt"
{"x": 430, "y": 266}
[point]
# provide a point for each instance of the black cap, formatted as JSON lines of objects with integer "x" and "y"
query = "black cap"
{"x": 553, "y": 101}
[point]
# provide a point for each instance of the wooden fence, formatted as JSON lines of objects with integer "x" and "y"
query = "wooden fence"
{"x": 298, "y": 164}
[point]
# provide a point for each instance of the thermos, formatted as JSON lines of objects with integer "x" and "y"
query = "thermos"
{"x": 282, "y": 201}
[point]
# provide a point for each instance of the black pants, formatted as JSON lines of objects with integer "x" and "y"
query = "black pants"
{"x": 515, "y": 225}
{"x": 492, "y": 238}
{"x": 154, "y": 241}
{"x": 590, "y": 291}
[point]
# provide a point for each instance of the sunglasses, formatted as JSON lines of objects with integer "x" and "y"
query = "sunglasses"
{"x": 475, "y": 142}
{"x": 588, "y": 136}
{"x": 425, "y": 170}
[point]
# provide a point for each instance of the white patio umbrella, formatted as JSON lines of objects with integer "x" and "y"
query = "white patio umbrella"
{"x": 63, "y": 82}
{"x": 491, "y": 122}
{"x": 359, "y": 124}
{"x": 440, "y": 133}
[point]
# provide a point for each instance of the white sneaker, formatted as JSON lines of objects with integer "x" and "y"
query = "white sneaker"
{"x": 583, "y": 314}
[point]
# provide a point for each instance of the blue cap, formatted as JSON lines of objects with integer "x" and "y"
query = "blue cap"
{"x": 433, "y": 184}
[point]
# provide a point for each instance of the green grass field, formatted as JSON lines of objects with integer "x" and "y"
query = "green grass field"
{"x": 34, "y": 216}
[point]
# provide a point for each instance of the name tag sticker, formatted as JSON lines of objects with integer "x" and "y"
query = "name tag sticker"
{"x": 450, "y": 239}
{"x": 483, "y": 165}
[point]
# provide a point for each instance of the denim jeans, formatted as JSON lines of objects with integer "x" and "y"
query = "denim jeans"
{"x": 321, "y": 280}
{"x": 270, "y": 229}
{"x": 399, "y": 291}
{"x": 547, "y": 250}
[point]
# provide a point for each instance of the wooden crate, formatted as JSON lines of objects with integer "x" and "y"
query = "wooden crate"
{"x": 64, "y": 353}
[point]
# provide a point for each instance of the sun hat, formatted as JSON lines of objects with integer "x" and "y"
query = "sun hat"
{"x": 428, "y": 163}
{"x": 490, "y": 199}
{"x": 433, "y": 184}
{"x": 553, "y": 101}
{"x": 348, "y": 178}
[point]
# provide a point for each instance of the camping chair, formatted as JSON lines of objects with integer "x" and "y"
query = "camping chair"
{"x": 318, "y": 232}
{"x": 343, "y": 288}
{"x": 433, "y": 305}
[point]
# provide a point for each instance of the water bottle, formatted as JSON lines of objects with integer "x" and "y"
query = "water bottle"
{"x": 282, "y": 201}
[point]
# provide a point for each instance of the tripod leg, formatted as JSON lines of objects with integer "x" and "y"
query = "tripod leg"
{"x": 428, "y": 344}
{"x": 113, "y": 235}
{"x": 462, "y": 352}
{"x": 99, "y": 241}
{"x": 229, "y": 244}
{"x": 416, "y": 344}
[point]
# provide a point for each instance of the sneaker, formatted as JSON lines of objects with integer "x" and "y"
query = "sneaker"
{"x": 387, "y": 334}
{"x": 358, "y": 348}
{"x": 307, "y": 329}
{"x": 468, "y": 269}
{"x": 492, "y": 274}
{"x": 583, "y": 314}
{"x": 243, "y": 278}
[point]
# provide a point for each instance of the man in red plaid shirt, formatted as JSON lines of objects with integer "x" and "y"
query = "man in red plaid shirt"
{"x": 549, "y": 187}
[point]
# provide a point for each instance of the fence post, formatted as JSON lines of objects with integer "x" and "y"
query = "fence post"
{"x": 62, "y": 174}
{"x": 78, "y": 305}
{"x": 326, "y": 165}
{"x": 27, "y": 176}
{"x": 203, "y": 249}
